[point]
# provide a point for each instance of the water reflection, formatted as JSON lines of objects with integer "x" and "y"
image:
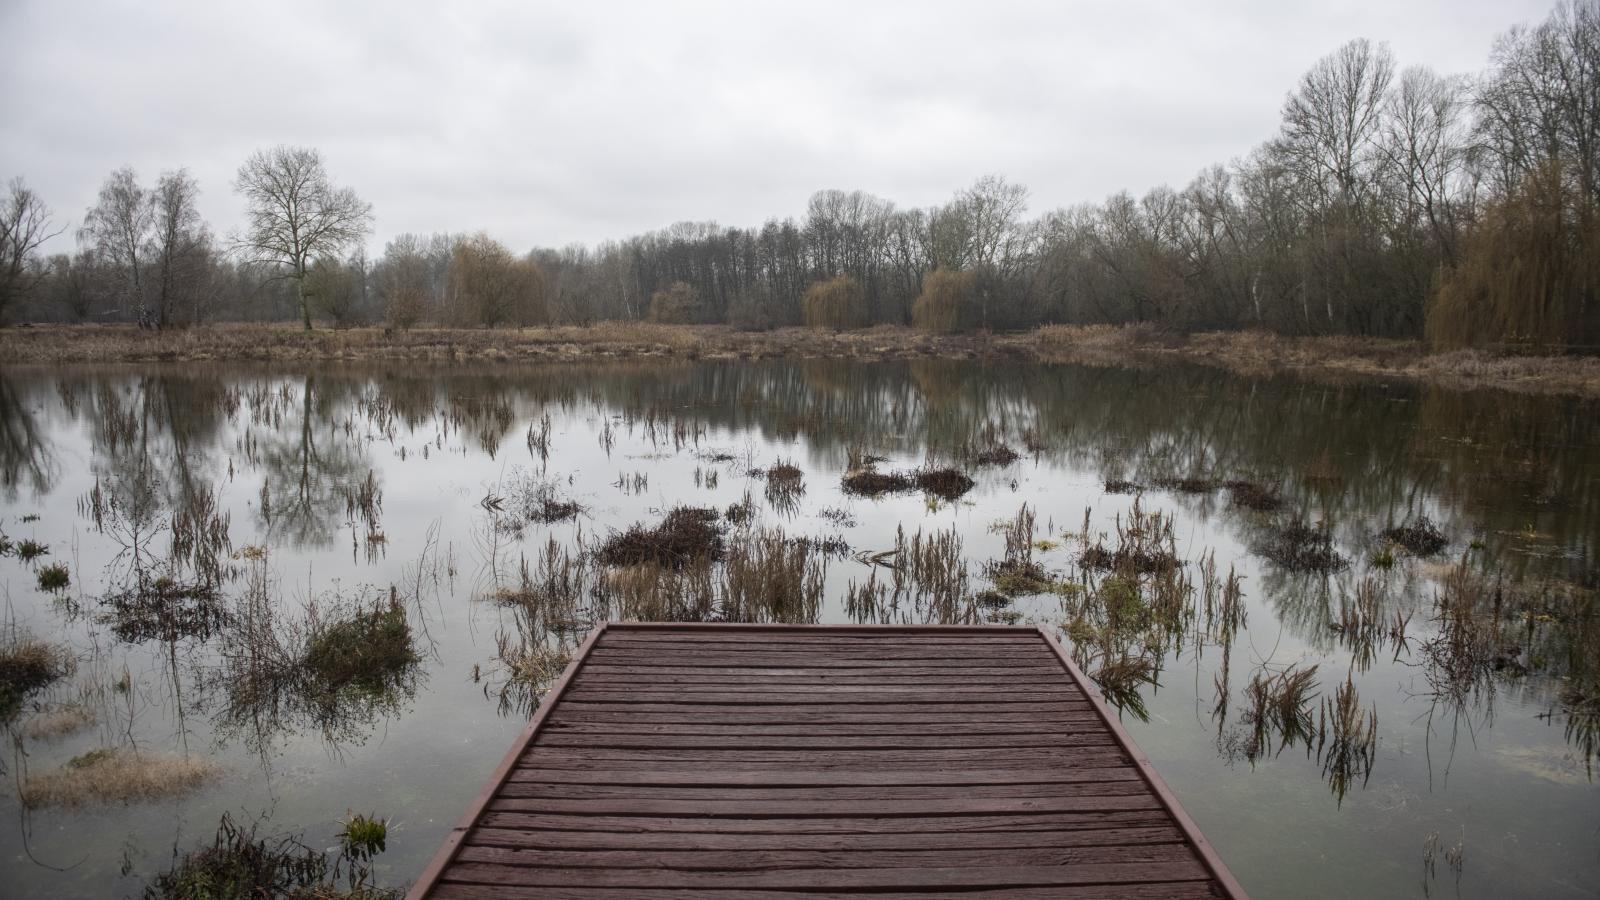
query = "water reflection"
{"x": 1138, "y": 511}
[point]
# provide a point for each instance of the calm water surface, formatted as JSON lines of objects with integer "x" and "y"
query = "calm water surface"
{"x": 321, "y": 489}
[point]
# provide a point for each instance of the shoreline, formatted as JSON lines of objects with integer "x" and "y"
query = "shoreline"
{"x": 1242, "y": 352}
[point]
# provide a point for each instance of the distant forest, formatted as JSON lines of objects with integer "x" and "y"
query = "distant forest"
{"x": 1391, "y": 202}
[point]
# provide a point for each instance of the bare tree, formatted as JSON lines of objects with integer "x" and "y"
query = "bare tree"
{"x": 1331, "y": 122}
{"x": 118, "y": 226}
{"x": 24, "y": 228}
{"x": 179, "y": 252}
{"x": 295, "y": 214}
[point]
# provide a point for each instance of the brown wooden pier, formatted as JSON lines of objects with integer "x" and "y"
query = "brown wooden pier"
{"x": 723, "y": 761}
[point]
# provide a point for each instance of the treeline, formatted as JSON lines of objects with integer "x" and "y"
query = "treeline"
{"x": 1391, "y": 202}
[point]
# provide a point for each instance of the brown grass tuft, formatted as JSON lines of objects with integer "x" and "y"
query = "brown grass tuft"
{"x": 117, "y": 776}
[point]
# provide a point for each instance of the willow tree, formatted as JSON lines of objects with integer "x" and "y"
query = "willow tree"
{"x": 295, "y": 214}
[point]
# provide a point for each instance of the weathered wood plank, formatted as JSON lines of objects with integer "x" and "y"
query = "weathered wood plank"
{"x": 751, "y": 844}
{"x": 794, "y": 762}
{"x": 1075, "y": 725}
{"x": 822, "y": 742}
{"x": 972, "y": 668}
{"x": 1139, "y": 818}
{"x": 534, "y": 770}
{"x": 770, "y": 860}
{"x": 517, "y": 787}
{"x": 510, "y": 800}
{"x": 855, "y": 879}
{"x": 1171, "y": 890}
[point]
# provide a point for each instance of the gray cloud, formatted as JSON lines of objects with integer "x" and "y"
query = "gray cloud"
{"x": 548, "y": 123}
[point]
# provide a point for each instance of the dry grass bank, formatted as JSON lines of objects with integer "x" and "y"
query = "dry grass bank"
{"x": 1251, "y": 352}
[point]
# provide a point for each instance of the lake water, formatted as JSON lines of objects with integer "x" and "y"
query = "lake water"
{"x": 303, "y": 494}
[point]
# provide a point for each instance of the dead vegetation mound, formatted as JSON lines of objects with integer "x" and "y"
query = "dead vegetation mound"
{"x": 684, "y": 535}
{"x": 1420, "y": 537}
{"x": 28, "y": 666}
{"x": 117, "y": 776}
{"x": 1250, "y": 495}
{"x": 1300, "y": 548}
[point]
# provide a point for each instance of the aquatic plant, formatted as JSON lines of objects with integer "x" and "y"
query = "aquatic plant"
{"x": 239, "y": 864}
{"x": 1278, "y": 707}
{"x": 946, "y": 484}
{"x": 771, "y": 578}
{"x": 1347, "y": 739}
{"x": 29, "y": 550}
{"x": 685, "y": 534}
{"x": 117, "y": 775}
{"x": 785, "y": 486}
{"x": 1420, "y": 537}
{"x": 1186, "y": 484}
{"x": 992, "y": 455}
{"x": 869, "y": 482}
{"x": 27, "y": 666}
{"x": 54, "y": 577}
{"x": 366, "y": 649}
{"x": 1299, "y": 547}
{"x": 1253, "y": 496}
{"x": 1122, "y": 486}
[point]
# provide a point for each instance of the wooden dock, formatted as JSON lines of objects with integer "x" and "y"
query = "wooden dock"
{"x": 724, "y": 761}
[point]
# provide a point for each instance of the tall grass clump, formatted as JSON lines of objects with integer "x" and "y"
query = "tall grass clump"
{"x": 27, "y": 666}
{"x": 238, "y": 863}
{"x": 836, "y": 303}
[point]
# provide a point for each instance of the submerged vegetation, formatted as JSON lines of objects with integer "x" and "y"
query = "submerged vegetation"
{"x": 239, "y": 618}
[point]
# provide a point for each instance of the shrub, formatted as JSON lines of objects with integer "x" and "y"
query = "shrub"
{"x": 946, "y": 301}
{"x": 835, "y": 303}
{"x": 677, "y": 304}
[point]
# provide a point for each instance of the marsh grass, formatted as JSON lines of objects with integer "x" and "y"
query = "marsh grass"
{"x": 366, "y": 648}
{"x": 1145, "y": 546}
{"x": 1278, "y": 709}
{"x": 1187, "y": 484}
{"x": 1298, "y": 547}
{"x": 532, "y": 500}
{"x": 119, "y": 775}
{"x": 238, "y": 863}
{"x": 772, "y": 578}
{"x": 1347, "y": 739}
{"x": 1419, "y": 537}
{"x": 944, "y": 483}
{"x": 27, "y": 666}
{"x": 869, "y": 482}
{"x": 336, "y": 668}
{"x": 686, "y": 534}
{"x": 1253, "y": 496}
{"x": 785, "y": 486}
{"x": 54, "y": 577}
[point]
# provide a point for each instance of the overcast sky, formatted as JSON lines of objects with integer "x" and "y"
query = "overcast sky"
{"x": 546, "y": 124}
